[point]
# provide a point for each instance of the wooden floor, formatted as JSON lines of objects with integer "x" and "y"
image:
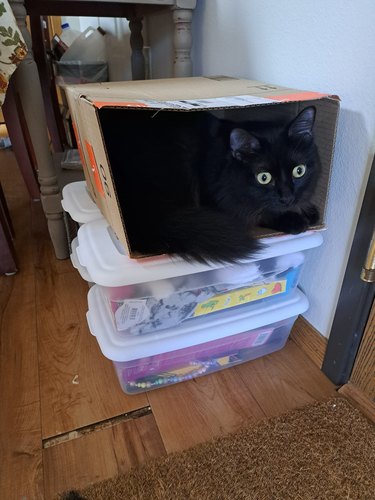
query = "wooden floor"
{"x": 64, "y": 421}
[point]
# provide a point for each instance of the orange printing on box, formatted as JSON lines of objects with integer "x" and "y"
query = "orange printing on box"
{"x": 94, "y": 168}
{"x": 298, "y": 96}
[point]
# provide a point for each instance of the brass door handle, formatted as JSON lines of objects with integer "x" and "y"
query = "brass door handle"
{"x": 368, "y": 268}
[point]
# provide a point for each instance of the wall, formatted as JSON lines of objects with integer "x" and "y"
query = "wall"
{"x": 326, "y": 46}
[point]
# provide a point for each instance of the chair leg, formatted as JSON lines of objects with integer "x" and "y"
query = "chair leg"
{"x": 8, "y": 264}
{"x": 6, "y": 214}
{"x": 11, "y": 114}
{"x": 53, "y": 114}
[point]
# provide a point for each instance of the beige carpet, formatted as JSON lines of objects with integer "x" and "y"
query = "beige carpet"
{"x": 323, "y": 451}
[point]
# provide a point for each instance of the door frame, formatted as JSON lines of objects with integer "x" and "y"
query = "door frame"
{"x": 355, "y": 300}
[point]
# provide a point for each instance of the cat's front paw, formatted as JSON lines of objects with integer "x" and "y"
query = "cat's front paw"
{"x": 312, "y": 215}
{"x": 292, "y": 223}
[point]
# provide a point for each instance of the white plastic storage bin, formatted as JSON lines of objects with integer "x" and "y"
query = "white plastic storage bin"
{"x": 193, "y": 348}
{"x": 79, "y": 209}
{"x": 147, "y": 307}
{"x": 75, "y": 262}
{"x": 77, "y": 202}
{"x": 147, "y": 295}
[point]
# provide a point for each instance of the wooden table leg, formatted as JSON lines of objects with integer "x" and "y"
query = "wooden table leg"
{"x": 182, "y": 65}
{"x": 136, "y": 44}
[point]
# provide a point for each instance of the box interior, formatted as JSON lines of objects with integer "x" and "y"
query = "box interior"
{"x": 122, "y": 133}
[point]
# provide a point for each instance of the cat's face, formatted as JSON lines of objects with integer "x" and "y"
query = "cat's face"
{"x": 280, "y": 165}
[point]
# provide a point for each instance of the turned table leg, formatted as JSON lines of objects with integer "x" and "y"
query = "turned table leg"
{"x": 182, "y": 42}
{"x": 27, "y": 85}
{"x": 136, "y": 44}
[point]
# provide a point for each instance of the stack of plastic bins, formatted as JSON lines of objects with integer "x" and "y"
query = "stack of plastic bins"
{"x": 149, "y": 294}
{"x": 147, "y": 300}
{"x": 79, "y": 209}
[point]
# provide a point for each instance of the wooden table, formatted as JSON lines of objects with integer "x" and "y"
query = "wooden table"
{"x": 182, "y": 11}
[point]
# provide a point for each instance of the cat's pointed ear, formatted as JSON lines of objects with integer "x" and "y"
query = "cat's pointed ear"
{"x": 242, "y": 143}
{"x": 303, "y": 124}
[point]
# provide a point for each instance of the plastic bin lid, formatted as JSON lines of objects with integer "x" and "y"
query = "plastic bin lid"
{"x": 77, "y": 202}
{"x": 105, "y": 259}
{"x": 120, "y": 346}
{"x": 75, "y": 262}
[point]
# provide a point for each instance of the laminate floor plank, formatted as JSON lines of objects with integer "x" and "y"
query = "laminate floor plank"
{"x": 285, "y": 380}
{"x": 198, "y": 410}
{"x": 192, "y": 412}
{"x": 100, "y": 455}
{"x": 21, "y": 474}
{"x": 78, "y": 384}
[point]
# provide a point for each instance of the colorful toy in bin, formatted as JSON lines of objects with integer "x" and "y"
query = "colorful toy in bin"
{"x": 173, "y": 368}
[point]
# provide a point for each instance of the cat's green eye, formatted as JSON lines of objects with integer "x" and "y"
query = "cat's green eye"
{"x": 299, "y": 171}
{"x": 264, "y": 178}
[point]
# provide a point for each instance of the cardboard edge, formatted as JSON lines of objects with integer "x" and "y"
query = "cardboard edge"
{"x": 333, "y": 152}
{"x": 279, "y": 99}
{"x": 120, "y": 212}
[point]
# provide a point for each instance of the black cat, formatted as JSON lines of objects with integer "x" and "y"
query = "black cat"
{"x": 197, "y": 186}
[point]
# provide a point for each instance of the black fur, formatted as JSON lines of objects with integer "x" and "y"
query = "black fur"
{"x": 187, "y": 182}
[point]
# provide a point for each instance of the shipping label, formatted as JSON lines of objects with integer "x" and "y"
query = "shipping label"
{"x": 130, "y": 313}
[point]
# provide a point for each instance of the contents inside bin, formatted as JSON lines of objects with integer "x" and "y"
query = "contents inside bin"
{"x": 144, "y": 308}
{"x": 184, "y": 364}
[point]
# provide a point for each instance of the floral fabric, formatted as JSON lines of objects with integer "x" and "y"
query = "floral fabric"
{"x": 12, "y": 47}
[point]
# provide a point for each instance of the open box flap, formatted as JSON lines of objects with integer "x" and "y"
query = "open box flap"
{"x": 202, "y": 92}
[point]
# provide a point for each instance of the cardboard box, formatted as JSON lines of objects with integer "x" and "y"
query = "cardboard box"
{"x": 229, "y": 97}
